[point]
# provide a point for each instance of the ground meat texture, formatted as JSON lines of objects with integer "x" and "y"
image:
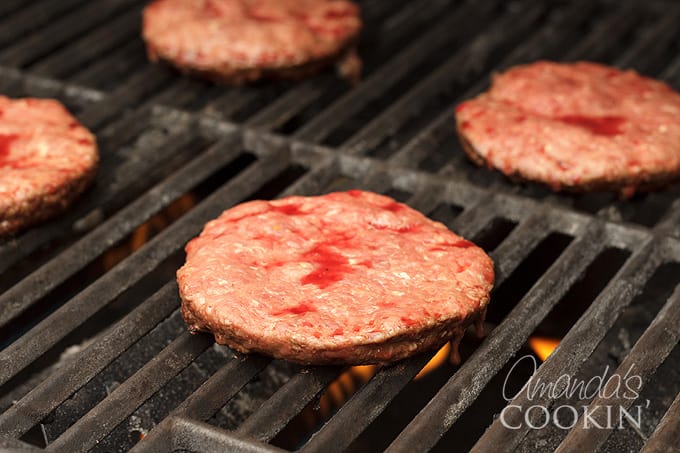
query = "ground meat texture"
{"x": 579, "y": 126}
{"x": 237, "y": 41}
{"x": 349, "y": 277}
{"x": 47, "y": 158}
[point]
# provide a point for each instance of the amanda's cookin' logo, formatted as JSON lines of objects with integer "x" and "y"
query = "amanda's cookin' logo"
{"x": 565, "y": 416}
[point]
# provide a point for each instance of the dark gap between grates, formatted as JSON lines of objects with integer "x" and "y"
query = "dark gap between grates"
{"x": 80, "y": 52}
{"x": 279, "y": 183}
{"x": 396, "y": 30}
{"x": 125, "y": 173}
{"x": 92, "y": 327}
{"x": 32, "y": 17}
{"x": 594, "y": 202}
{"x": 526, "y": 274}
{"x": 613, "y": 348}
{"x": 494, "y": 233}
{"x": 300, "y": 119}
{"x": 224, "y": 174}
{"x": 484, "y": 410}
{"x": 254, "y": 394}
{"x": 110, "y": 377}
{"x": 163, "y": 402}
{"x": 443, "y": 98}
{"x": 660, "y": 392}
{"x": 410, "y": 78}
{"x": 400, "y": 195}
{"x": 33, "y": 47}
{"x": 406, "y": 405}
{"x": 94, "y": 270}
{"x": 107, "y": 260}
{"x": 443, "y": 154}
{"x": 565, "y": 314}
{"x": 112, "y": 67}
{"x": 446, "y": 213}
{"x": 321, "y": 410}
{"x": 126, "y": 301}
{"x": 381, "y": 38}
{"x": 555, "y": 325}
{"x": 261, "y": 98}
{"x": 651, "y": 207}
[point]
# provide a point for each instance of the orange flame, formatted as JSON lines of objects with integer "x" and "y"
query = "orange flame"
{"x": 143, "y": 233}
{"x": 543, "y": 346}
{"x": 436, "y": 361}
{"x": 346, "y": 385}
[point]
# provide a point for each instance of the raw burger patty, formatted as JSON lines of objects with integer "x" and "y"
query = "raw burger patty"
{"x": 47, "y": 158}
{"x": 236, "y": 41}
{"x": 580, "y": 126}
{"x": 349, "y": 277}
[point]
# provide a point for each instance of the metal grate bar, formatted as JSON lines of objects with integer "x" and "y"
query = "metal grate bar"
{"x": 438, "y": 131}
{"x": 50, "y": 393}
{"x": 191, "y": 435}
{"x": 127, "y": 95}
{"x": 473, "y": 219}
{"x": 53, "y": 328}
{"x": 90, "y": 46}
{"x": 424, "y": 199}
{"x": 9, "y": 7}
{"x": 461, "y": 21}
{"x": 179, "y": 93}
{"x": 604, "y": 33}
{"x": 117, "y": 63}
{"x": 460, "y": 63}
{"x": 287, "y": 402}
{"x": 314, "y": 181}
{"x": 132, "y": 393}
{"x": 233, "y": 100}
{"x": 581, "y": 341}
{"x": 31, "y": 17}
{"x": 517, "y": 246}
{"x": 69, "y": 26}
{"x": 666, "y": 437}
{"x": 365, "y": 406}
{"x": 209, "y": 397}
{"x": 390, "y": 385}
{"x": 460, "y": 391}
{"x": 18, "y": 83}
{"x": 649, "y": 352}
{"x": 652, "y": 45}
{"x": 18, "y": 446}
{"x": 118, "y": 182}
{"x": 670, "y": 223}
{"x": 46, "y": 278}
{"x": 672, "y": 72}
{"x": 296, "y": 99}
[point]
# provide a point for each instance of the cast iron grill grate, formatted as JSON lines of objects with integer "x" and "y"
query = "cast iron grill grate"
{"x": 163, "y": 137}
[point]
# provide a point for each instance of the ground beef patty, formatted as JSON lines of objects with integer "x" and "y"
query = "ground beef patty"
{"x": 579, "y": 126}
{"x": 236, "y": 41}
{"x": 348, "y": 277}
{"x": 47, "y": 158}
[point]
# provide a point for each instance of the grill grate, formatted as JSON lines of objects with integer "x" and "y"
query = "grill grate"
{"x": 163, "y": 136}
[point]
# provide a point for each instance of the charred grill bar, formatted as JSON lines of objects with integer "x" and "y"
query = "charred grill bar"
{"x": 163, "y": 136}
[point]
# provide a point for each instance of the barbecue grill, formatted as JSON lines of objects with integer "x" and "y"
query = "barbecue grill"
{"x": 94, "y": 353}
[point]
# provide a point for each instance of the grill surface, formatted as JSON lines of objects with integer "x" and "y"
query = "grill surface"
{"x": 163, "y": 136}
